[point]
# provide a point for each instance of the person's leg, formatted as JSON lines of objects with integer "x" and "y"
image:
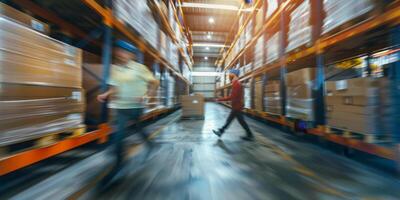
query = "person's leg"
{"x": 136, "y": 114}
{"x": 243, "y": 123}
{"x": 117, "y": 138}
{"x": 228, "y": 121}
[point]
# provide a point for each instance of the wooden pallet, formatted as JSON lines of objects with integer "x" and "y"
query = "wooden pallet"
{"x": 42, "y": 141}
{"x": 368, "y": 138}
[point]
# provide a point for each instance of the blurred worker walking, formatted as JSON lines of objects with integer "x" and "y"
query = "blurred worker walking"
{"x": 130, "y": 82}
{"x": 236, "y": 98}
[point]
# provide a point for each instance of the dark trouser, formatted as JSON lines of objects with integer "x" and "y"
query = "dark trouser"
{"x": 239, "y": 116}
{"x": 122, "y": 117}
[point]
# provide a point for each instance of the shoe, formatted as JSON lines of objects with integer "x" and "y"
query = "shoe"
{"x": 218, "y": 132}
{"x": 248, "y": 138}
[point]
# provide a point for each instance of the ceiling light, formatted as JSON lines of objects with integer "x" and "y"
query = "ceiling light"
{"x": 206, "y": 58}
{"x": 207, "y": 48}
{"x": 211, "y": 20}
{"x": 209, "y": 36}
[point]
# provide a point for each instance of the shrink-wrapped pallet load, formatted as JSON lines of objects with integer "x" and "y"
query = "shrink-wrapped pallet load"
{"x": 299, "y": 95}
{"x": 300, "y": 29}
{"x": 272, "y": 48}
{"x": 272, "y": 98}
{"x": 258, "y": 95}
{"x": 41, "y": 84}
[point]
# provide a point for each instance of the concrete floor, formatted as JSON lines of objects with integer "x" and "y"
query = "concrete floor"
{"x": 189, "y": 162}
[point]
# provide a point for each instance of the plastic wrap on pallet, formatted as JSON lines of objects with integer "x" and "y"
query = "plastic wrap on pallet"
{"x": 259, "y": 53}
{"x": 247, "y": 96}
{"x": 28, "y": 57}
{"x": 139, "y": 16}
{"x": 28, "y": 111}
{"x": 299, "y": 95}
{"x": 339, "y": 12}
{"x": 272, "y": 5}
{"x": 272, "y": 98}
{"x": 300, "y": 29}
{"x": 248, "y": 33}
{"x": 272, "y": 48}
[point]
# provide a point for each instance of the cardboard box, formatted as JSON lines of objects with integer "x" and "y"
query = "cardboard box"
{"x": 23, "y": 18}
{"x": 359, "y": 125}
{"x": 28, "y": 57}
{"x": 192, "y": 105}
{"x": 301, "y": 76}
{"x": 272, "y": 86}
{"x": 352, "y": 100}
{"x": 363, "y": 110}
{"x": 299, "y": 92}
{"x": 353, "y": 87}
{"x": 29, "y": 111}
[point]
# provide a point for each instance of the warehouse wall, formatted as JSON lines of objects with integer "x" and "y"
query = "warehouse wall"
{"x": 204, "y": 84}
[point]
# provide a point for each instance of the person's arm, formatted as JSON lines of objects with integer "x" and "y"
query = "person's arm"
{"x": 233, "y": 94}
{"x": 103, "y": 97}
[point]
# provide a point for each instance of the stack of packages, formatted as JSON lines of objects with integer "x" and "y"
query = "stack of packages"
{"x": 138, "y": 15}
{"x": 41, "y": 83}
{"x": 192, "y": 105}
{"x": 272, "y": 48}
{"x": 272, "y": 97}
{"x": 248, "y": 68}
{"x": 92, "y": 85}
{"x": 353, "y": 105}
{"x": 174, "y": 56}
{"x": 163, "y": 44}
{"x": 387, "y": 113}
{"x": 248, "y": 33}
{"x": 339, "y": 12}
{"x": 272, "y": 5}
{"x": 259, "y": 19}
{"x": 186, "y": 72}
{"x": 170, "y": 89}
{"x": 300, "y": 29}
{"x": 247, "y": 95}
{"x": 258, "y": 94}
{"x": 259, "y": 53}
{"x": 299, "y": 94}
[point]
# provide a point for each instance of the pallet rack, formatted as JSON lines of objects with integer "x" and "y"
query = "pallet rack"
{"x": 19, "y": 160}
{"x": 318, "y": 54}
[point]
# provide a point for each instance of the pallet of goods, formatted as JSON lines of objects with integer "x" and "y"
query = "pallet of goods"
{"x": 300, "y": 29}
{"x": 192, "y": 106}
{"x": 272, "y": 48}
{"x": 258, "y": 95}
{"x": 41, "y": 86}
{"x": 272, "y": 98}
{"x": 299, "y": 97}
{"x": 354, "y": 107}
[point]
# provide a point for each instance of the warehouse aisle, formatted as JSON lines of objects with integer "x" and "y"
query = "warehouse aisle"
{"x": 189, "y": 162}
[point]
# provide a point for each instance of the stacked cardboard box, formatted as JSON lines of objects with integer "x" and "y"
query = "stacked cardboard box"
{"x": 299, "y": 94}
{"x": 259, "y": 53}
{"x": 258, "y": 95}
{"x": 339, "y": 12}
{"x": 272, "y": 48}
{"x": 300, "y": 28}
{"x": 272, "y": 5}
{"x": 353, "y": 104}
{"x": 139, "y": 16}
{"x": 192, "y": 105}
{"x": 23, "y": 19}
{"x": 272, "y": 97}
{"x": 40, "y": 88}
{"x": 247, "y": 95}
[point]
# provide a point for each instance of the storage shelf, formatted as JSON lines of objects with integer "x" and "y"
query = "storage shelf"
{"x": 172, "y": 34}
{"x": 29, "y": 157}
{"x": 391, "y": 17}
{"x": 138, "y": 40}
{"x": 370, "y": 148}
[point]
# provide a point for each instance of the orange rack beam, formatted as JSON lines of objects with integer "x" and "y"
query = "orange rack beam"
{"x": 29, "y": 157}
